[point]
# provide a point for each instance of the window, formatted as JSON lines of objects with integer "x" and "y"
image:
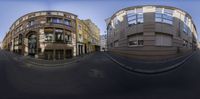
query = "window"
{"x": 139, "y": 12}
{"x": 135, "y": 40}
{"x": 185, "y": 27}
{"x": 190, "y": 45}
{"x": 109, "y": 29}
{"x": 31, "y": 23}
{"x": 54, "y": 20}
{"x": 67, "y": 22}
{"x": 190, "y": 28}
{"x": 185, "y": 43}
{"x": 58, "y": 35}
{"x": 116, "y": 43}
{"x": 115, "y": 21}
{"x": 135, "y": 16}
{"x": 32, "y": 44}
{"x": 111, "y": 44}
{"x": 68, "y": 38}
{"x": 163, "y": 40}
{"x": 20, "y": 39}
{"x": 164, "y": 15}
{"x": 16, "y": 42}
{"x": 79, "y": 27}
{"x": 158, "y": 15}
{"x": 48, "y": 37}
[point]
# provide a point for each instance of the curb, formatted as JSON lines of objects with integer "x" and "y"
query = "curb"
{"x": 47, "y": 65}
{"x": 51, "y": 65}
{"x": 150, "y": 72}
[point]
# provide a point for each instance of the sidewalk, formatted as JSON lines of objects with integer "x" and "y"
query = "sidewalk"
{"x": 50, "y": 63}
{"x": 148, "y": 67}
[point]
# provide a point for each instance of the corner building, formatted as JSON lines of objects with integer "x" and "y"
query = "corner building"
{"x": 151, "y": 32}
{"x": 44, "y": 34}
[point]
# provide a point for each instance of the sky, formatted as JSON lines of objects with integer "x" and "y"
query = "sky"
{"x": 96, "y": 10}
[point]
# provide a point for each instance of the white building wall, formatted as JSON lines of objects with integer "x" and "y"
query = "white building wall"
{"x": 103, "y": 42}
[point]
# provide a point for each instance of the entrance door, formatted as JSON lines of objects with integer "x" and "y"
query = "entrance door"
{"x": 32, "y": 45}
{"x": 85, "y": 48}
{"x": 68, "y": 53}
{"x": 59, "y": 54}
{"x": 48, "y": 54}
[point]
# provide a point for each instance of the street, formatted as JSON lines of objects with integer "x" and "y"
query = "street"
{"x": 95, "y": 76}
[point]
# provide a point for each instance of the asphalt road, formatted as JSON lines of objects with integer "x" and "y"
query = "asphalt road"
{"x": 95, "y": 76}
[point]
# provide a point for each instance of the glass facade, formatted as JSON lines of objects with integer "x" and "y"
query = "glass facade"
{"x": 135, "y": 16}
{"x": 185, "y": 27}
{"x": 164, "y": 15}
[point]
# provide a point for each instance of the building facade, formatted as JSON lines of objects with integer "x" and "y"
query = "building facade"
{"x": 50, "y": 35}
{"x": 0, "y": 45}
{"x": 94, "y": 36}
{"x": 83, "y": 39}
{"x": 103, "y": 42}
{"x": 151, "y": 32}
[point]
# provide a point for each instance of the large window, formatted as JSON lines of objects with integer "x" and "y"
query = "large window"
{"x": 164, "y": 15}
{"x": 135, "y": 40}
{"x": 140, "y": 16}
{"x": 58, "y": 35}
{"x": 135, "y": 16}
{"x": 185, "y": 27}
{"x": 163, "y": 40}
{"x": 68, "y": 38}
{"x": 54, "y": 20}
{"x": 20, "y": 39}
{"x": 32, "y": 44}
{"x": 48, "y": 37}
{"x": 67, "y": 22}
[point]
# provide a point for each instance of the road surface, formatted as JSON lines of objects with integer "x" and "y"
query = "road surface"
{"x": 95, "y": 76}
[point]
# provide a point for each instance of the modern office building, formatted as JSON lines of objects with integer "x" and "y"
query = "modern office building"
{"x": 103, "y": 42}
{"x": 151, "y": 32}
{"x": 44, "y": 34}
